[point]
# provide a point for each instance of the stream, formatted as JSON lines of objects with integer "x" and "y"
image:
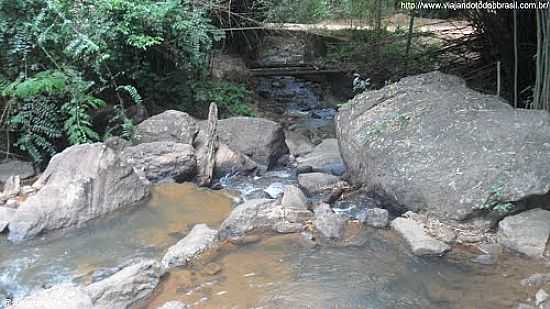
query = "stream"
{"x": 371, "y": 269}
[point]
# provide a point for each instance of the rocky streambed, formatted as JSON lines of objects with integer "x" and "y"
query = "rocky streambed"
{"x": 287, "y": 222}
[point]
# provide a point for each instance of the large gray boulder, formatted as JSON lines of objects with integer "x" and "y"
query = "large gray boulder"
{"x": 434, "y": 145}
{"x": 260, "y": 139}
{"x": 263, "y": 215}
{"x": 127, "y": 288}
{"x": 419, "y": 241}
{"x": 82, "y": 183}
{"x": 61, "y": 296}
{"x": 527, "y": 232}
{"x": 11, "y": 168}
{"x": 200, "y": 239}
{"x": 158, "y": 161}
{"x": 324, "y": 158}
{"x": 229, "y": 161}
{"x": 169, "y": 126}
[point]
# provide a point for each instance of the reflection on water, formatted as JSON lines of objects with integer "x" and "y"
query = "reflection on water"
{"x": 142, "y": 232}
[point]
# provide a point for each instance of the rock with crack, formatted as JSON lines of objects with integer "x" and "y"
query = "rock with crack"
{"x": 82, "y": 183}
{"x": 527, "y": 232}
{"x": 325, "y": 158}
{"x": 127, "y": 288}
{"x": 263, "y": 215}
{"x": 328, "y": 223}
{"x": 169, "y": 126}
{"x": 419, "y": 241}
{"x": 200, "y": 239}
{"x": 313, "y": 183}
{"x": 62, "y": 296}
{"x": 158, "y": 161}
{"x": 437, "y": 147}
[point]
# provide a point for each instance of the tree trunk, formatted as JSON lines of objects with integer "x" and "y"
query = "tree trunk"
{"x": 207, "y": 172}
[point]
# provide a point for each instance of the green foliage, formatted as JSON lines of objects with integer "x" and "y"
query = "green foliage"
{"x": 232, "y": 99}
{"x": 498, "y": 201}
{"x": 63, "y": 59}
{"x": 49, "y": 106}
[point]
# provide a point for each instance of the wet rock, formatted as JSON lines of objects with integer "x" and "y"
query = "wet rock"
{"x": 261, "y": 140}
{"x": 128, "y": 287}
{"x": 212, "y": 269}
{"x": 313, "y": 183}
{"x": 329, "y": 224}
{"x": 298, "y": 144}
{"x": 325, "y": 158}
{"x": 6, "y": 215}
{"x": 62, "y": 296}
{"x": 275, "y": 190}
{"x": 262, "y": 215}
{"x": 485, "y": 259}
{"x": 200, "y": 239}
{"x": 438, "y": 147}
{"x": 169, "y": 126}
{"x": 174, "y": 305}
{"x": 376, "y": 217}
{"x": 19, "y": 168}
{"x": 527, "y": 232}
{"x": 294, "y": 198}
{"x": 536, "y": 280}
{"x": 159, "y": 161}
{"x": 541, "y": 297}
{"x": 82, "y": 183}
{"x": 304, "y": 170}
{"x": 419, "y": 241}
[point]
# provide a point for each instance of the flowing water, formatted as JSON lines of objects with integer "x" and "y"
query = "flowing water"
{"x": 374, "y": 269}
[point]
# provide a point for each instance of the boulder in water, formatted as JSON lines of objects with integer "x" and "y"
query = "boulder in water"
{"x": 200, "y": 239}
{"x": 328, "y": 223}
{"x": 159, "y": 161}
{"x": 128, "y": 287}
{"x": 169, "y": 126}
{"x": 260, "y": 139}
{"x": 325, "y": 158}
{"x": 435, "y": 146}
{"x": 82, "y": 183}
{"x": 313, "y": 183}
{"x": 420, "y": 242}
{"x": 61, "y": 296}
{"x": 527, "y": 232}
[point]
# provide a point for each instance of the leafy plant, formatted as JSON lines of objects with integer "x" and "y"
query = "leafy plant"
{"x": 232, "y": 99}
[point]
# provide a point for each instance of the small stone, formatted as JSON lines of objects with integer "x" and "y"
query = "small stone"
{"x": 541, "y": 297}
{"x": 200, "y": 239}
{"x": 174, "y": 305}
{"x": 419, "y": 241}
{"x": 329, "y": 224}
{"x": 275, "y": 190}
{"x": 377, "y": 217}
{"x": 212, "y": 269}
{"x": 288, "y": 227}
{"x": 485, "y": 259}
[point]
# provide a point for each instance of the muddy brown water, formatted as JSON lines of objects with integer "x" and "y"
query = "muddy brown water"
{"x": 374, "y": 270}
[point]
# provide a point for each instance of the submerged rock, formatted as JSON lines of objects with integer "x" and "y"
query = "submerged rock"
{"x": 325, "y": 158}
{"x": 527, "y": 232}
{"x": 169, "y": 126}
{"x": 419, "y": 241}
{"x": 61, "y": 296}
{"x": 158, "y": 161}
{"x": 313, "y": 183}
{"x": 82, "y": 183}
{"x": 260, "y": 139}
{"x": 328, "y": 223}
{"x": 200, "y": 239}
{"x": 434, "y": 145}
{"x": 174, "y": 305}
{"x": 128, "y": 287}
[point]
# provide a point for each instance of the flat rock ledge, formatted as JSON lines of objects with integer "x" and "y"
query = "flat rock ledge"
{"x": 527, "y": 232}
{"x": 200, "y": 239}
{"x": 419, "y": 241}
